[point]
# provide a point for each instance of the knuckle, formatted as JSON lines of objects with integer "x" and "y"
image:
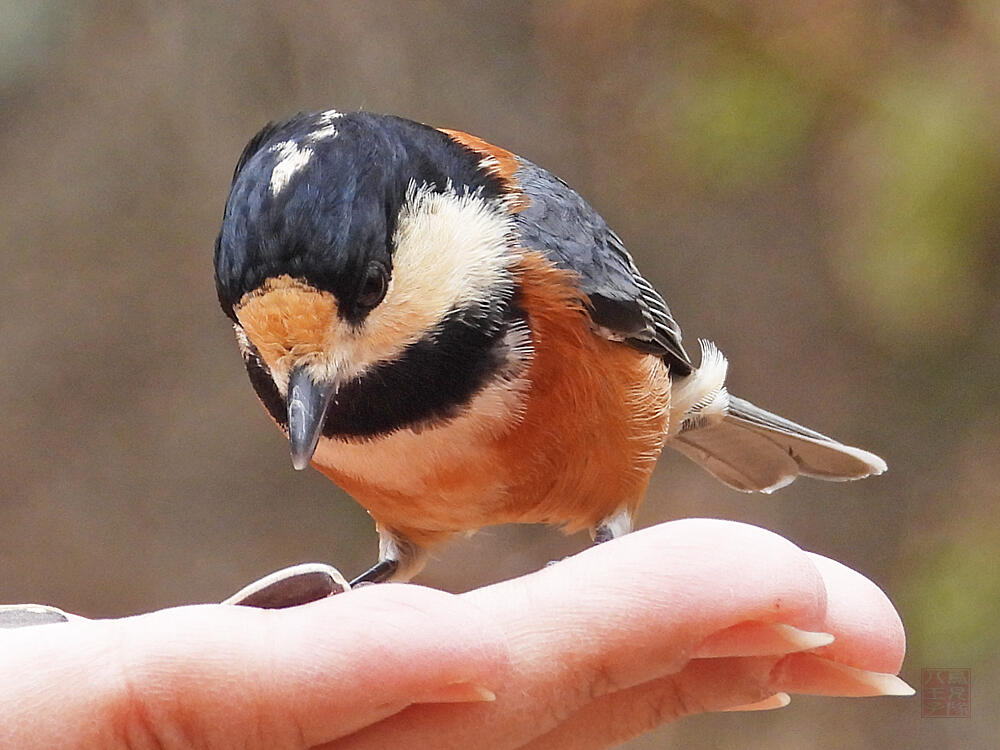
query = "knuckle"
{"x": 647, "y": 707}
{"x": 138, "y": 720}
{"x": 163, "y": 701}
{"x": 666, "y": 703}
{"x": 599, "y": 680}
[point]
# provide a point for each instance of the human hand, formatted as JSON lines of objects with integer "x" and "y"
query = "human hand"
{"x": 682, "y": 618}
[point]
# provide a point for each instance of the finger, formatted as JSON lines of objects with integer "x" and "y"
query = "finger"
{"x": 638, "y": 607}
{"x": 620, "y": 614}
{"x": 235, "y": 676}
{"x": 814, "y": 675}
{"x": 869, "y": 633}
{"x": 718, "y": 684}
{"x": 864, "y": 629}
{"x": 703, "y": 685}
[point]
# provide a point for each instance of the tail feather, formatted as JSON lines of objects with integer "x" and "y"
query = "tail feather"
{"x": 753, "y": 450}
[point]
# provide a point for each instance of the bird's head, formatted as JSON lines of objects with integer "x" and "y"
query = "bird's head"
{"x": 366, "y": 264}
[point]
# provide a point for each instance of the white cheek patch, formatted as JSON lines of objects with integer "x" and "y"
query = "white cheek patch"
{"x": 451, "y": 251}
{"x": 291, "y": 158}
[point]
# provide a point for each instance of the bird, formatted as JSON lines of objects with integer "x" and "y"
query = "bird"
{"x": 457, "y": 339}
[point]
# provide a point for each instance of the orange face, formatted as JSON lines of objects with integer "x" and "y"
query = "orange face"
{"x": 289, "y": 322}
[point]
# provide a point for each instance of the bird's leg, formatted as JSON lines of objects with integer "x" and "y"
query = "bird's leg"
{"x": 399, "y": 559}
{"x": 613, "y": 526}
{"x": 380, "y": 572}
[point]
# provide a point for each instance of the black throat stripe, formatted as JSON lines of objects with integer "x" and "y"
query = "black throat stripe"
{"x": 432, "y": 381}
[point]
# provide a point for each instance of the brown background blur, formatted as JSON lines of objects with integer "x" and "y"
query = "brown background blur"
{"x": 814, "y": 186}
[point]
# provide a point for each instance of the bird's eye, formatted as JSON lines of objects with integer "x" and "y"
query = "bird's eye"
{"x": 373, "y": 286}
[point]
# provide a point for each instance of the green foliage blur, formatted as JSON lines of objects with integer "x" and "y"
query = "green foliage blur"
{"x": 813, "y": 185}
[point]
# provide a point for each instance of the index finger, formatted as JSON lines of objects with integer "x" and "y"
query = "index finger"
{"x": 220, "y": 675}
{"x": 623, "y": 613}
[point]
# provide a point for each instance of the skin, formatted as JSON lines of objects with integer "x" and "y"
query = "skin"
{"x": 575, "y": 658}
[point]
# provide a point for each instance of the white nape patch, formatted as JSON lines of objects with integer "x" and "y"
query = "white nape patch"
{"x": 290, "y": 159}
{"x": 701, "y": 398}
{"x": 326, "y": 128}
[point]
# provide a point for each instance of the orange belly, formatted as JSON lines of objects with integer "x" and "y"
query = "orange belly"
{"x": 591, "y": 419}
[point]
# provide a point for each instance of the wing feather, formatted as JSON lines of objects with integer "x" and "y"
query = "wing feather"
{"x": 624, "y": 306}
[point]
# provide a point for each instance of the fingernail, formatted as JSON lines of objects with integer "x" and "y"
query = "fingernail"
{"x": 800, "y": 640}
{"x": 881, "y": 683}
{"x": 808, "y": 673}
{"x": 761, "y": 639}
{"x": 778, "y": 700}
{"x": 459, "y": 692}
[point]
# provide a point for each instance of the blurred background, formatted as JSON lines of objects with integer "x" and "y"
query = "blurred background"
{"x": 812, "y": 185}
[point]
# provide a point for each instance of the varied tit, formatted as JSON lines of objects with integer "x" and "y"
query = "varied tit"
{"x": 456, "y": 338}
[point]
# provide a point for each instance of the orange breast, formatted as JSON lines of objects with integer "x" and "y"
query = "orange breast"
{"x": 596, "y": 416}
{"x": 592, "y": 421}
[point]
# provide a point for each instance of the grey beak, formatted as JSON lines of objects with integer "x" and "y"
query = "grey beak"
{"x": 307, "y": 405}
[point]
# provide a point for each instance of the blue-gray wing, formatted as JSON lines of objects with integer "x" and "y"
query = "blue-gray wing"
{"x": 622, "y": 304}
